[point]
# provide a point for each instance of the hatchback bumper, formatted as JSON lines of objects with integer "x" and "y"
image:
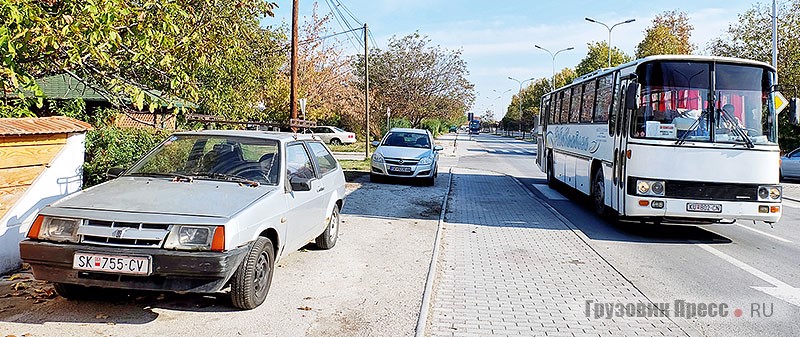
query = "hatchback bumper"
{"x": 178, "y": 271}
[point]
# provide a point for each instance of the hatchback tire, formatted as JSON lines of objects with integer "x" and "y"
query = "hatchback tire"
{"x": 251, "y": 281}
{"x": 330, "y": 235}
{"x": 72, "y": 291}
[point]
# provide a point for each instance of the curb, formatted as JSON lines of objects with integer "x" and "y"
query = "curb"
{"x": 422, "y": 319}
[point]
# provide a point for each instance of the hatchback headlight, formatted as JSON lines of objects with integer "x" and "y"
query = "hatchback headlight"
{"x": 377, "y": 157}
{"x": 59, "y": 229}
{"x": 426, "y": 161}
{"x": 767, "y": 193}
{"x": 650, "y": 187}
{"x": 190, "y": 237}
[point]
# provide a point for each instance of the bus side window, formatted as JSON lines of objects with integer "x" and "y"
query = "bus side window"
{"x": 563, "y": 113}
{"x": 575, "y": 105}
{"x": 605, "y": 90}
{"x": 589, "y": 90}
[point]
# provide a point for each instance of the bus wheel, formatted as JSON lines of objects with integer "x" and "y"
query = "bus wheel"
{"x": 551, "y": 180}
{"x": 598, "y": 192}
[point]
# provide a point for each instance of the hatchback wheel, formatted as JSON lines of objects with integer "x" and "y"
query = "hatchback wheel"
{"x": 328, "y": 238}
{"x": 251, "y": 281}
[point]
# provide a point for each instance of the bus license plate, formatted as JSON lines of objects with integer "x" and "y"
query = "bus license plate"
{"x": 700, "y": 207}
{"x": 134, "y": 265}
{"x": 399, "y": 169}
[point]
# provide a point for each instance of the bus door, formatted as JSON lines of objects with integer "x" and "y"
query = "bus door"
{"x": 544, "y": 116}
{"x": 622, "y": 121}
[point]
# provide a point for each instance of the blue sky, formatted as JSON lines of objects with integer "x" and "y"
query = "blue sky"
{"x": 498, "y": 37}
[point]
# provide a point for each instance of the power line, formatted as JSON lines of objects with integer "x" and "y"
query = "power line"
{"x": 343, "y": 23}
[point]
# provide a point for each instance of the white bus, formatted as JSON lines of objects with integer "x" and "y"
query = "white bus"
{"x": 686, "y": 139}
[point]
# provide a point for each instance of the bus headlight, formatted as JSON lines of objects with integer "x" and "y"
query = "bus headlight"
{"x": 650, "y": 187}
{"x": 642, "y": 187}
{"x": 767, "y": 193}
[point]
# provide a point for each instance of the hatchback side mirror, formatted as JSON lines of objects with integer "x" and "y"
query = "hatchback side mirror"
{"x": 300, "y": 184}
{"x": 438, "y": 148}
{"x": 115, "y": 172}
{"x": 375, "y": 143}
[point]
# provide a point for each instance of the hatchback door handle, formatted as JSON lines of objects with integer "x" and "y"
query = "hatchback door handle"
{"x": 321, "y": 189}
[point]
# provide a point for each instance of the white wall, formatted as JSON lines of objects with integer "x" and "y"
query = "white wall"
{"x": 63, "y": 177}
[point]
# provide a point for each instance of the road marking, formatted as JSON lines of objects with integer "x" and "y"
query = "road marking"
{"x": 764, "y": 233}
{"x": 781, "y": 290}
{"x": 548, "y": 192}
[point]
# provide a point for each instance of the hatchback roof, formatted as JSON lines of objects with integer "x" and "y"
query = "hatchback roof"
{"x": 281, "y": 136}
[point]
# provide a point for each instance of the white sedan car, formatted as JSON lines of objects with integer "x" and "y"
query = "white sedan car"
{"x": 334, "y": 135}
{"x": 406, "y": 153}
{"x": 201, "y": 212}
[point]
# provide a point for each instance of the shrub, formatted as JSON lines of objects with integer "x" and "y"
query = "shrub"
{"x": 109, "y": 146}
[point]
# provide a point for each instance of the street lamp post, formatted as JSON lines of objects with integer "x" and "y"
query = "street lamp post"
{"x": 519, "y": 97}
{"x": 609, "y": 33}
{"x": 553, "y": 79}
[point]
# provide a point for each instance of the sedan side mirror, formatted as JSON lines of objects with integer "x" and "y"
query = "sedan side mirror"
{"x": 375, "y": 143}
{"x": 115, "y": 172}
{"x": 438, "y": 148}
{"x": 300, "y": 184}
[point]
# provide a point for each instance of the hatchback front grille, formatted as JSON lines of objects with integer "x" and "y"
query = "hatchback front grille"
{"x": 123, "y": 234}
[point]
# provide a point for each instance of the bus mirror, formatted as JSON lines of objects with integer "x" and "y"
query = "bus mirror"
{"x": 794, "y": 111}
{"x": 631, "y": 96}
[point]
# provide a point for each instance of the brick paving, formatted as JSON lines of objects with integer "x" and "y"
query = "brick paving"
{"x": 791, "y": 191}
{"x": 509, "y": 267}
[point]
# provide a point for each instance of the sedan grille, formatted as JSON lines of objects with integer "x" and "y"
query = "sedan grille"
{"x": 123, "y": 234}
{"x": 400, "y": 161}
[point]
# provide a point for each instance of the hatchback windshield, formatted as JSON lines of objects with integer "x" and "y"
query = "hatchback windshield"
{"x": 677, "y": 103}
{"x": 213, "y": 157}
{"x": 407, "y": 139}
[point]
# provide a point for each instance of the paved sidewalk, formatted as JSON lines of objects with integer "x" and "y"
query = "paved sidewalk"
{"x": 510, "y": 267}
{"x": 791, "y": 191}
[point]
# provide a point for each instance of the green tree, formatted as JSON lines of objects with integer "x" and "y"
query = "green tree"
{"x": 597, "y": 58}
{"x": 669, "y": 34}
{"x": 416, "y": 80}
{"x": 750, "y": 37}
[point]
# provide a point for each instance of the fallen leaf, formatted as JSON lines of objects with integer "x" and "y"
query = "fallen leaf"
{"x": 19, "y": 285}
{"x": 11, "y": 335}
{"x": 101, "y": 316}
{"x": 307, "y": 298}
{"x": 111, "y": 323}
{"x": 16, "y": 276}
{"x": 304, "y": 308}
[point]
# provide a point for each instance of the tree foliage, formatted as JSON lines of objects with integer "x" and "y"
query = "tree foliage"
{"x": 669, "y": 34}
{"x": 750, "y": 37}
{"x": 597, "y": 58}
{"x": 416, "y": 81}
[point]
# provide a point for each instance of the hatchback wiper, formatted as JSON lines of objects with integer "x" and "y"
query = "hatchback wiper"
{"x": 227, "y": 177}
{"x": 175, "y": 176}
{"x": 736, "y": 128}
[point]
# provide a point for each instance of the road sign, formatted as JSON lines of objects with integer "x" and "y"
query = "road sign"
{"x": 780, "y": 101}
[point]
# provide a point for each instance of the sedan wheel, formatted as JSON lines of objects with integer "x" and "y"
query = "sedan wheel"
{"x": 250, "y": 284}
{"x": 336, "y": 141}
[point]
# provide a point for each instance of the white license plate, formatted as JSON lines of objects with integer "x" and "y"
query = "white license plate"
{"x": 700, "y": 207}
{"x": 135, "y": 265}
{"x": 399, "y": 169}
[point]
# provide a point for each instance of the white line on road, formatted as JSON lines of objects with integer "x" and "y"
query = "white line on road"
{"x": 764, "y": 233}
{"x": 780, "y": 290}
{"x": 548, "y": 192}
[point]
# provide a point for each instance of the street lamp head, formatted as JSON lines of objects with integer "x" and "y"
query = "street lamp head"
{"x": 629, "y": 21}
{"x": 511, "y": 78}
{"x": 590, "y": 20}
{"x": 537, "y": 46}
{"x": 570, "y": 48}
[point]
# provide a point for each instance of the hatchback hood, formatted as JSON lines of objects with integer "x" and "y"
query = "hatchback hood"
{"x": 162, "y": 196}
{"x": 403, "y": 152}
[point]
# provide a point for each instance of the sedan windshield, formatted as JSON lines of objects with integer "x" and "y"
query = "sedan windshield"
{"x": 676, "y": 103}
{"x": 236, "y": 159}
{"x": 407, "y": 139}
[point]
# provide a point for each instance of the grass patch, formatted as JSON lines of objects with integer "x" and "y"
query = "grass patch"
{"x": 355, "y": 165}
{"x": 355, "y": 147}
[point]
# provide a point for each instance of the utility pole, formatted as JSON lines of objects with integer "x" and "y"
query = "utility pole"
{"x": 293, "y": 76}
{"x": 366, "y": 90}
{"x": 775, "y": 38}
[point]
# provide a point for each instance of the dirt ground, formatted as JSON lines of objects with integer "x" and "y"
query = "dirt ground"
{"x": 370, "y": 284}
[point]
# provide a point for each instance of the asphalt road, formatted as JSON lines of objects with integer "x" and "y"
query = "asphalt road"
{"x": 746, "y": 266}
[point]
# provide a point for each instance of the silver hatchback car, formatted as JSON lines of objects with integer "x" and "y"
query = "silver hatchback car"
{"x": 406, "y": 153}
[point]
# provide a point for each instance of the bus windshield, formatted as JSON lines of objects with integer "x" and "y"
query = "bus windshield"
{"x": 676, "y": 103}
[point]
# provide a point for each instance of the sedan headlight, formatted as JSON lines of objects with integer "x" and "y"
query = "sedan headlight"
{"x": 377, "y": 157}
{"x": 650, "y": 187}
{"x": 57, "y": 229}
{"x": 426, "y": 161}
{"x": 767, "y": 193}
{"x": 193, "y": 237}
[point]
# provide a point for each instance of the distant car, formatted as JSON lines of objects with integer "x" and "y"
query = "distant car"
{"x": 202, "y": 212}
{"x": 407, "y": 153}
{"x": 790, "y": 165}
{"x": 334, "y": 135}
{"x": 453, "y": 129}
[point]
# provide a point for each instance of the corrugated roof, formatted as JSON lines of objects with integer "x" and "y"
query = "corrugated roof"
{"x": 41, "y": 126}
